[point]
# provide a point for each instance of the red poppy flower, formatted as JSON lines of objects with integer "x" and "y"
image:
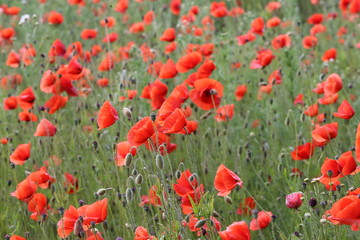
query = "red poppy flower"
{"x": 293, "y": 200}
{"x": 273, "y": 6}
{"x": 240, "y": 92}
{"x": 107, "y": 115}
{"x": 309, "y": 42}
{"x": 246, "y": 207}
{"x": 262, "y": 221}
{"x": 88, "y": 34}
{"x": 156, "y": 92}
{"x": 346, "y": 211}
{"x": 38, "y": 206}
{"x": 345, "y": 111}
{"x": 303, "y": 151}
{"x": 41, "y": 177}
{"x": 323, "y": 134}
{"x": 55, "y": 103}
{"x": 330, "y": 183}
{"x": 329, "y": 55}
{"x": 24, "y": 190}
{"x": 273, "y": 22}
{"x": 257, "y": 26}
{"x": 13, "y": 59}
{"x": 153, "y": 198}
{"x": 168, "y": 70}
{"x": 137, "y": 27}
{"x": 141, "y": 233}
{"x": 168, "y": 35}
{"x": 316, "y": 18}
{"x": 225, "y": 113}
{"x": 347, "y": 164}
{"x": 71, "y": 183}
{"x": 312, "y": 110}
{"x": 108, "y": 22}
{"x": 357, "y": 143}
{"x": 218, "y": 9}
{"x": 149, "y": 17}
{"x": 15, "y": 237}
{"x": 10, "y": 103}
{"x": 174, "y": 123}
{"x": 263, "y": 58}
{"x": 205, "y": 69}
{"x": 331, "y": 166}
{"x": 225, "y": 180}
{"x": 108, "y": 62}
{"x": 188, "y": 62}
{"x": 122, "y": 149}
{"x": 332, "y": 84}
{"x": 27, "y": 116}
{"x": 55, "y": 18}
{"x": 45, "y": 129}
{"x": 141, "y": 132}
{"x": 317, "y": 28}
{"x": 281, "y": 41}
{"x": 207, "y": 93}
{"x": 237, "y": 230}
{"x": 20, "y": 154}
{"x": 96, "y": 212}
{"x": 26, "y": 98}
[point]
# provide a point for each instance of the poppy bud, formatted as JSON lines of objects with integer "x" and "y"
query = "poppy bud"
{"x": 101, "y": 191}
{"x": 127, "y": 112}
{"x": 153, "y": 116}
{"x": 81, "y": 202}
{"x": 105, "y": 225}
{"x": 128, "y": 159}
{"x": 293, "y": 200}
{"x": 139, "y": 179}
{"x": 215, "y": 214}
{"x": 7, "y": 237}
{"x": 78, "y": 228}
{"x": 239, "y": 150}
{"x": 297, "y": 234}
{"x": 129, "y": 195}
{"x": 312, "y": 202}
{"x": 322, "y": 221}
{"x": 228, "y": 200}
{"x": 9, "y": 182}
{"x": 307, "y": 215}
{"x": 254, "y": 213}
{"x": 177, "y": 174}
{"x": 134, "y": 172}
{"x": 200, "y": 223}
{"x": 61, "y": 211}
{"x": 213, "y": 92}
{"x": 159, "y": 161}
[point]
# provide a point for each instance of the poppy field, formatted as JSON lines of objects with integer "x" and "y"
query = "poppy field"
{"x": 179, "y": 119}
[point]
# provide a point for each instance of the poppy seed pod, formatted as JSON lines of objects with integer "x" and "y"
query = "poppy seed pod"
{"x": 139, "y": 179}
{"x": 129, "y": 195}
{"x": 128, "y": 159}
{"x": 200, "y": 223}
{"x": 127, "y": 112}
{"x": 159, "y": 161}
{"x": 228, "y": 200}
{"x": 101, "y": 191}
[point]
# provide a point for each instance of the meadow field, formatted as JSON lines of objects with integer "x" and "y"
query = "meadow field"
{"x": 179, "y": 119}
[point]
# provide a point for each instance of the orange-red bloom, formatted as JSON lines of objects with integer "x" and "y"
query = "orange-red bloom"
{"x": 237, "y": 230}
{"x": 20, "y": 154}
{"x": 225, "y": 180}
{"x": 45, "y": 129}
{"x": 207, "y": 93}
{"x": 262, "y": 221}
{"x": 107, "y": 115}
{"x": 345, "y": 111}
